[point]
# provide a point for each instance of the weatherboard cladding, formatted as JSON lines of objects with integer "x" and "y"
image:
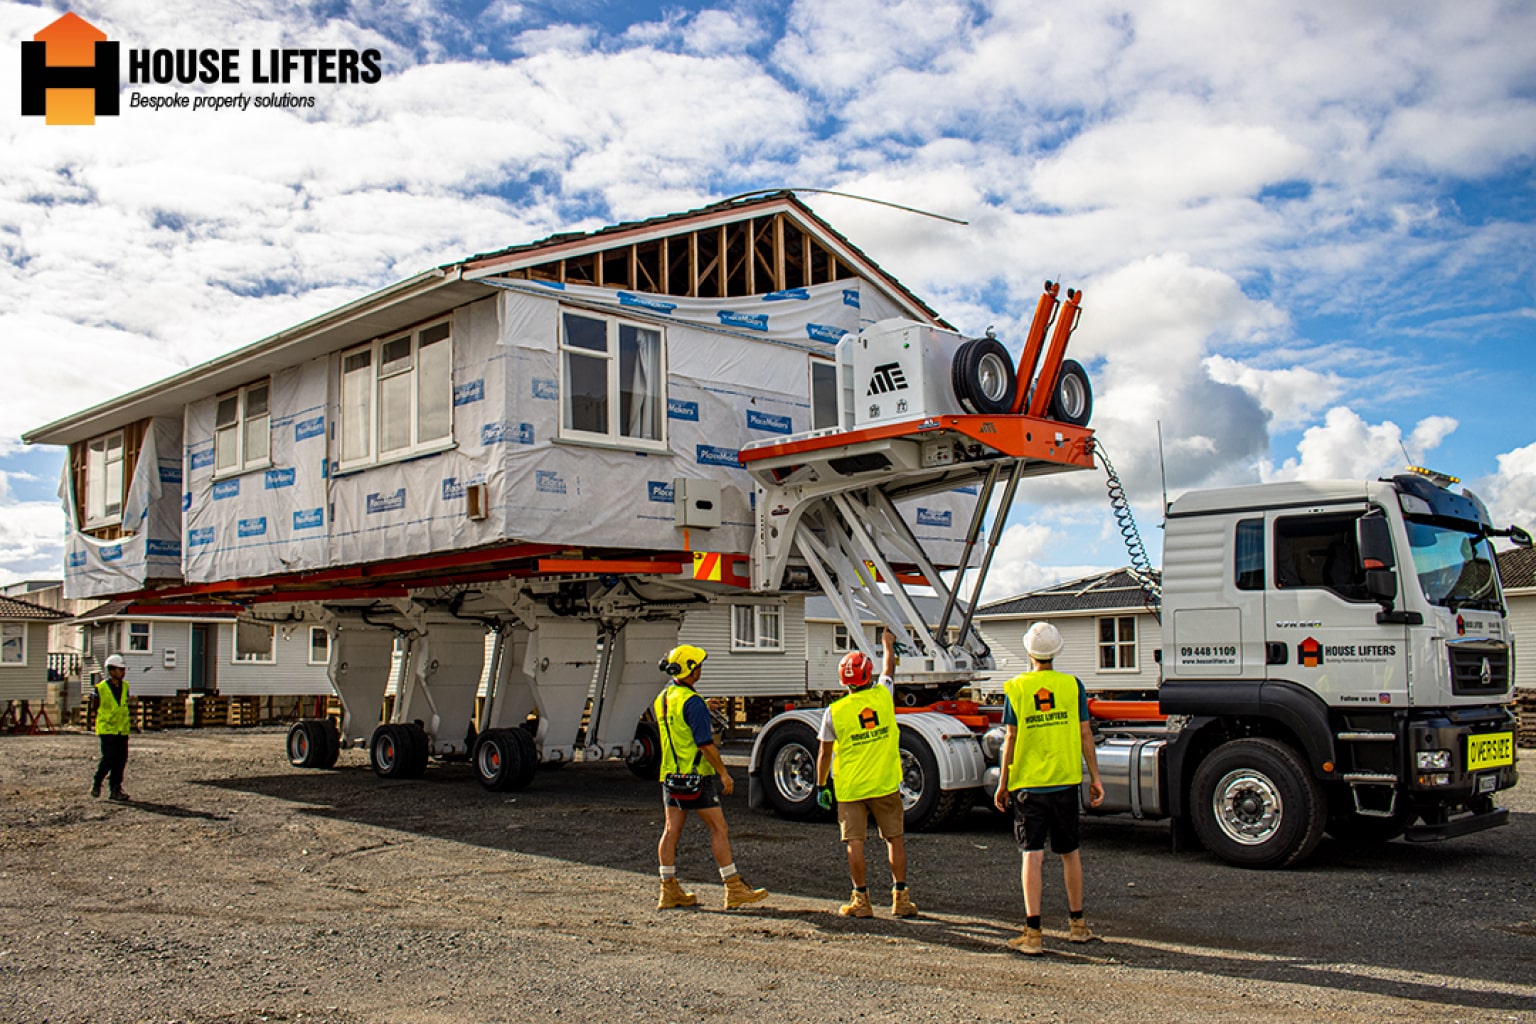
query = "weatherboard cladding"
{"x": 30, "y": 681}
{"x": 289, "y": 675}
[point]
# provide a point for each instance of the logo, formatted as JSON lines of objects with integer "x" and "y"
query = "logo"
{"x": 280, "y": 478}
{"x": 928, "y": 424}
{"x": 851, "y": 297}
{"x": 308, "y": 518}
{"x": 677, "y": 409}
{"x": 934, "y": 517}
{"x": 874, "y": 410}
{"x": 170, "y": 475}
{"x": 788, "y": 293}
{"x": 76, "y": 560}
{"x": 473, "y": 391}
{"x": 658, "y": 490}
{"x": 1310, "y": 653}
{"x": 1461, "y": 626}
{"x": 203, "y": 459}
{"x": 711, "y": 455}
{"x": 252, "y": 527}
{"x": 162, "y": 548}
{"x": 751, "y": 321}
{"x": 1045, "y": 700}
{"x": 824, "y": 332}
{"x": 503, "y": 432}
{"x": 306, "y": 429}
{"x": 200, "y": 537}
{"x": 770, "y": 422}
{"x": 226, "y": 489}
{"x": 647, "y": 303}
{"x": 112, "y": 554}
{"x": 1383, "y": 698}
{"x": 868, "y": 719}
{"x": 386, "y": 502}
{"x": 779, "y": 510}
{"x": 988, "y": 427}
{"x": 69, "y": 73}
{"x": 1485, "y": 674}
{"x": 548, "y": 481}
{"x": 886, "y": 378}
{"x": 545, "y": 388}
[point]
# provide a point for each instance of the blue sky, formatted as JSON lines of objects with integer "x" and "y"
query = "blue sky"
{"x": 1304, "y": 230}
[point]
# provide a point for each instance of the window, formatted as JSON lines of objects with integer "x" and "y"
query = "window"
{"x": 1249, "y": 555}
{"x": 255, "y": 643}
{"x": 841, "y": 641}
{"x": 397, "y": 396}
{"x": 1319, "y": 552}
{"x": 319, "y": 645}
{"x": 136, "y": 637}
{"x": 13, "y": 643}
{"x": 824, "y": 396}
{"x": 104, "y": 481}
{"x": 756, "y": 627}
{"x": 1117, "y": 643}
{"x": 242, "y": 433}
{"x": 612, "y": 381}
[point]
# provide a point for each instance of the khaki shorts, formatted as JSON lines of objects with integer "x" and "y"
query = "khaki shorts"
{"x": 853, "y": 817}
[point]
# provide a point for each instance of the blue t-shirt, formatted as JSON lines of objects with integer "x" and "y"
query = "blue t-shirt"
{"x": 1082, "y": 715}
{"x": 696, "y": 714}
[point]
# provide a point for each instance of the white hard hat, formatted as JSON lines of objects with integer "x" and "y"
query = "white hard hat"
{"x": 116, "y": 661}
{"x": 1043, "y": 641}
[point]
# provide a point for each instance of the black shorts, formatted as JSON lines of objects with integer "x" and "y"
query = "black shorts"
{"x": 708, "y": 796}
{"x": 1038, "y": 815}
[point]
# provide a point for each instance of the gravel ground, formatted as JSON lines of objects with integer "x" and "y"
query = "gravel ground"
{"x": 238, "y": 889}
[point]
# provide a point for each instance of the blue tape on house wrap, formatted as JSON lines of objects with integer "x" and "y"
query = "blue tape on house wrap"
{"x": 767, "y": 421}
{"x": 256, "y": 527}
{"x": 934, "y": 517}
{"x": 677, "y": 409}
{"x": 658, "y": 490}
{"x": 280, "y": 478}
{"x": 473, "y": 391}
{"x": 226, "y": 489}
{"x": 386, "y": 502}
{"x": 303, "y": 430}
{"x": 200, "y": 537}
{"x": 308, "y": 518}
{"x": 710, "y": 455}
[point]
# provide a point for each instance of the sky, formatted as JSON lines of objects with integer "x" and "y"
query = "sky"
{"x": 1304, "y": 230}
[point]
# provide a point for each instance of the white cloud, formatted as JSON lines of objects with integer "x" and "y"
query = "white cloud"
{"x": 1346, "y": 447}
{"x": 1511, "y": 492}
{"x": 1291, "y": 395}
{"x": 31, "y": 536}
{"x": 1028, "y": 558}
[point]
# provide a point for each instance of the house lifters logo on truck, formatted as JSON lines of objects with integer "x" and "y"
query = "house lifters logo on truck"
{"x": 1310, "y": 653}
{"x": 69, "y": 73}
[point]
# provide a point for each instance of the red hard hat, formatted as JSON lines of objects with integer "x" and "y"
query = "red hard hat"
{"x": 855, "y": 669}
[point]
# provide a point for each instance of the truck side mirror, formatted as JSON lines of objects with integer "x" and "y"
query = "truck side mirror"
{"x": 1381, "y": 584}
{"x": 1374, "y": 535}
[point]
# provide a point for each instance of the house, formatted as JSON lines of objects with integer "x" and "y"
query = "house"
{"x": 1517, "y": 572}
{"x": 827, "y": 639}
{"x": 24, "y": 629}
{"x": 1111, "y": 637}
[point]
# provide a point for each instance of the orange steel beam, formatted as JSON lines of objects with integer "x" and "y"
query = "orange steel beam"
{"x": 1019, "y": 436}
{"x": 1045, "y": 309}
{"x": 1050, "y": 369}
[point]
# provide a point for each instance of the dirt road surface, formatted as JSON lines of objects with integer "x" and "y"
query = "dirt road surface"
{"x": 238, "y": 889}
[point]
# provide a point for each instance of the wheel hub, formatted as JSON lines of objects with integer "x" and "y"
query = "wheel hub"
{"x": 1247, "y": 807}
{"x": 794, "y": 772}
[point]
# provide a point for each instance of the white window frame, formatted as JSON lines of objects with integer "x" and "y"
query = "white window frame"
{"x": 311, "y": 651}
{"x": 615, "y": 436}
{"x": 96, "y": 514}
{"x": 128, "y": 635}
{"x": 376, "y": 382}
{"x": 240, "y": 429}
{"x": 1119, "y": 644}
{"x": 235, "y": 657}
{"x": 9, "y": 631}
{"x": 757, "y": 642}
{"x": 842, "y": 640}
{"x": 837, "y": 391}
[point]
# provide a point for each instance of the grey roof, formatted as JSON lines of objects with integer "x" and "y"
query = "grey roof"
{"x": 1115, "y": 589}
{"x": 1517, "y": 567}
{"x": 12, "y": 610}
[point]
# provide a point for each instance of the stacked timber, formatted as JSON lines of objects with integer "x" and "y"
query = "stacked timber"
{"x": 243, "y": 711}
{"x": 1525, "y": 707}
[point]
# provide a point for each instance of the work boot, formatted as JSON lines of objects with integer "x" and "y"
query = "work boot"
{"x": 1029, "y": 943}
{"x": 96, "y": 788}
{"x": 1081, "y": 932}
{"x": 901, "y": 904}
{"x": 738, "y": 893}
{"x": 672, "y": 895}
{"x": 120, "y": 797}
{"x": 857, "y": 905}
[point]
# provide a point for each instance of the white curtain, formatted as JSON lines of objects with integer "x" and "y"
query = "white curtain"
{"x": 644, "y": 387}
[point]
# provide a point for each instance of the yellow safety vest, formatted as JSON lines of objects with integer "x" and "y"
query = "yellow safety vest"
{"x": 677, "y": 747}
{"x": 868, "y": 746}
{"x": 111, "y": 714}
{"x": 1049, "y": 748}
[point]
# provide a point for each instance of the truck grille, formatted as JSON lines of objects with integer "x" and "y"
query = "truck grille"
{"x": 1479, "y": 670}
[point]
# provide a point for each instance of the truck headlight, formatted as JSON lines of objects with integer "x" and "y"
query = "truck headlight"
{"x": 1434, "y": 760}
{"x": 992, "y": 743}
{"x": 1435, "y": 779}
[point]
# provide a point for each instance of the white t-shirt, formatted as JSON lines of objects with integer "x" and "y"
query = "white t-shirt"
{"x": 829, "y": 734}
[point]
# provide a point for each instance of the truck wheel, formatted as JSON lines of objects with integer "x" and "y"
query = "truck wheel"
{"x": 389, "y": 752}
{"x": 982, "y": 377}
{"x": 496, "y": 760}
{"x": 1255, "y": 804}
{"x": 647, "y": 763}
{"x": 928, "y": 807}
{"x": 305, "y": 748}
{"x": 1073, "y": 401}
{"x": 789, "y": 767}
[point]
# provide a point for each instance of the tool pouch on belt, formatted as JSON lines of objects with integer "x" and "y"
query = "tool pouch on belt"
{"x": 680, "y": 785}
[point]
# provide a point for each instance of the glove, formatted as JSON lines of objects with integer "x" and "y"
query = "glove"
{"x": 824, "y": 797}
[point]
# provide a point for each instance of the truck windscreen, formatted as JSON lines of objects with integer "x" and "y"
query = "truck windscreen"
{"x": 1455, "y": 568}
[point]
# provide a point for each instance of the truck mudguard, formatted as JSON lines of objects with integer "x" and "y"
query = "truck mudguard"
{"x": 954, "y": 747}
{"x": 1295, "y": 707}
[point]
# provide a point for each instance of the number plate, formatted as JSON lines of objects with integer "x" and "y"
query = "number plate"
{"x": 1488, "y": 783}
{"x": 1491, "y": 750}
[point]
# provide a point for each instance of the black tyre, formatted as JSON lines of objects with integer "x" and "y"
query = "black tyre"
{"x": 1254, "y": 804}
{"x": 326, "y": 729}
{"x": 389, "y": 752}
{"x": 527, "y": 757}
{"x": 788, "y": 770}
{"x": 306, "y": 749}
{"x": 927, "y": 806}
{"x": 982, "y": 376}
{"x": 646, "y": 764}
{"x": 497, "y": 757}
{"x": 1072, "y": 401}
{"x": 419, "y": 747}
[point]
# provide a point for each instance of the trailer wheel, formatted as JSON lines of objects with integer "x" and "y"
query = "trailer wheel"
{"x": 389, "y": 752}
{"x": 527, "y": 757}
{"x": 325, "y": 729}
{"x": 982, "y": 377}
{"x": 305, "y": 750}
{"x": 418, "y": 748}
{"x": 647, "y": 763}
{"x": 1073, "y": 401}
{"x": 1255, "y": 804}
{"x": 928, "y": 807}
{"x": 789, "y": 763}
{"x": 496, "y": 760}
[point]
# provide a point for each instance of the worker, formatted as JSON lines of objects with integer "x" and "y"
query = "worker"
{"x": 112, "y": 728}
{"x": 689, "y": 758}
{"x": 1047, "y": 740}
{"x": 860, "y": 736}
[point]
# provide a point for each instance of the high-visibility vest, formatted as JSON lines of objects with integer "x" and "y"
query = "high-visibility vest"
{"x": 678, "y": 750}
{"x": 867, "y": 753}
{"x": 1048, "y": 750}
{"x": 111, "y": 714}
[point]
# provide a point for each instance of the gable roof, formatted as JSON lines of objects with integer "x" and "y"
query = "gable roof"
{"x": 12, "y": 610}
{"x": 1517, "y": 568}
{"x": 1116, "y": 589}
{"x": 114, "y": 611}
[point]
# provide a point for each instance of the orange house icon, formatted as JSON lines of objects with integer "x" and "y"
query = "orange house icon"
{"x": 69, "y": 73}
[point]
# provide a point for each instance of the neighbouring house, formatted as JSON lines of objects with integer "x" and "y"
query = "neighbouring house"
{"x": 1517, "y": 572}
{"x": 1111, "y": 638}
{"x": 24, "y": 629}
{"x": 827, "y": 639}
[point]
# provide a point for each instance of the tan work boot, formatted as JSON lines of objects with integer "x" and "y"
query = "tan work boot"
{"x": 672, "y": 895}
{"x": 857, "y": 905}
{"x": 1081, "y": 932}
{"x": 1029, "y": 943}
{"x": 738, "y": 893}
{"x": 901, "y": 904}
